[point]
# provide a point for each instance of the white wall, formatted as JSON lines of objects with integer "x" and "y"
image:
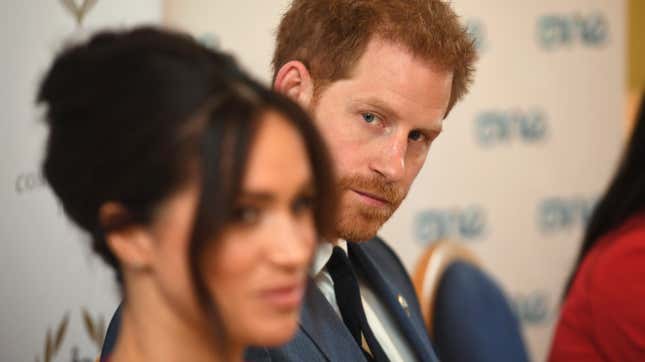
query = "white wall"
{"x": 526, "y": 155}
{"x": 47, "y": 268}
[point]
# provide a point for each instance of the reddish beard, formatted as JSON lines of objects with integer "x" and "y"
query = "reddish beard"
{"x": 358, "y": 221}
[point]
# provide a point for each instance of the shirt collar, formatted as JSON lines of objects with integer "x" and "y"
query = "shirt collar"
{"x": 323, "y": 253}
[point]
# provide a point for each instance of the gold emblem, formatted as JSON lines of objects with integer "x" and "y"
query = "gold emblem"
{"x": 79, "y": 8}
{"x": 95, "y": 328}
{"x": 53, "y": 342}
{"x": 404, "y": 304}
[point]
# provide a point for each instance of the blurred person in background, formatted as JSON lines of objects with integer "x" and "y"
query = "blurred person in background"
{"x": 204, "y": 191}
{"x": 603, "y": 315}
{"x": 379, "y": 78}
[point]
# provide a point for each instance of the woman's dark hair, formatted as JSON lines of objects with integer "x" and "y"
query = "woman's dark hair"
{"x": 624, "y": 197}
{"x": 133, "y": 115}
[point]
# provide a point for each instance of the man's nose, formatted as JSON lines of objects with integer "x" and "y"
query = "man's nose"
{"x": 389, "y": 158}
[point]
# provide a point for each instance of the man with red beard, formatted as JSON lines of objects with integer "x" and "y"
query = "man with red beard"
{"x": 379, "y": 77}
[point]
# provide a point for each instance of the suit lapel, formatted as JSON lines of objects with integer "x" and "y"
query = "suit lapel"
{"x": 388, "y": 294}
{"x": 322, "y": 325}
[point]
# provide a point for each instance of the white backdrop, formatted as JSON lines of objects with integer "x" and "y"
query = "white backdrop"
{"x": 47, "y": 269}
{"x": 520, "y": 164}
{"x": 527, "y": 154}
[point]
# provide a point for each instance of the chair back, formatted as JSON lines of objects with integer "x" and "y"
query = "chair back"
{"x": 429, "y": 269}
{"x": 466, "y": 312}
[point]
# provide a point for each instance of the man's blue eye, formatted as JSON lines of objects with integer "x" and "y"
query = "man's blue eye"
{"x": 415, "y": 135}
{"x": 369, "y": 117}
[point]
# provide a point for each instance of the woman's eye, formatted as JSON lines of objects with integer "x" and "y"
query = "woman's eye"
{"x": 369, "y": 117}
{"x": 246, "y": 215}
{"x": 302, "y": 204}
{"x": 416, "y": 136}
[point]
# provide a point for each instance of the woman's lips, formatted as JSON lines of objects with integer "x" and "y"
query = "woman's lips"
{"x": 371, "y": 199}
{"x": 284, "y": 297}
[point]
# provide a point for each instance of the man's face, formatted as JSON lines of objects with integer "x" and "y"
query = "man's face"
{"x": 379, "y": 124}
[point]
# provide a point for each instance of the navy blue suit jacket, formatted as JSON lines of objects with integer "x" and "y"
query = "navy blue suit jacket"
{"x": 322, "y": 336}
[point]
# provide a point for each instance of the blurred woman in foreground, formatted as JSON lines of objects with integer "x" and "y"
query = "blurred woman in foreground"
{"x": 603, "y": 316}
{"x": 205, "y": 191}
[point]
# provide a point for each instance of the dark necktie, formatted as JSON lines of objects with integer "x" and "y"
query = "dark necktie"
{"x": 348, "y": 298}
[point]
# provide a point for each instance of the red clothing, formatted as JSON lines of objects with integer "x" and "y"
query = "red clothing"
{"x": 603, "y": 317}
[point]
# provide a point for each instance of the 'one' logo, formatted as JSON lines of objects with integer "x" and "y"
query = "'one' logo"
{"x": 501, "y": 127}
{"x": 532, "y": 308}
{"x": 557, "y": 214}
{"x": 463, "y": 224}
{"x": 557, "y": 31}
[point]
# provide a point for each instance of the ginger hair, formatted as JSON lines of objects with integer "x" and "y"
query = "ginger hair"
{"x": 330, "y": 36}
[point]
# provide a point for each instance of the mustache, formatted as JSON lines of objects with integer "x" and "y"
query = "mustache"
{"x": 390, "y": 192}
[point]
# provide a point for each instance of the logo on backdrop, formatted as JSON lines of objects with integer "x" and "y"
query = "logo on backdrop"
{"x": 477, "y": 31}
{"x": 532, "y": 308}
{"x": 557, "y": 214}
{"x": 467, "y": 223}
{"x": 28, "y": 182}
{"x": 496, "y": 127}
{"x": 94, "y": 328}
{"x": 78, "y": 8}
{"x": 555, "y": 31}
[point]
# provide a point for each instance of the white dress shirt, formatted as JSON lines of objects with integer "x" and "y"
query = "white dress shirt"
{"x": 379, "y": 319}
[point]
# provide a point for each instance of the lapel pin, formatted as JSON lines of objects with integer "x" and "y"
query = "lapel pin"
{"x": 404, "y": 304}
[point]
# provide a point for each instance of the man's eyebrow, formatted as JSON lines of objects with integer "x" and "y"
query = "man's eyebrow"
{"x": 382, "y": 107}
{"x": 434, "y": 131}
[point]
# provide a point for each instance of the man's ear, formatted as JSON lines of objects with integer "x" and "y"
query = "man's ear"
{"x": 294, "y": 81}
{"x": 132, "y": 245}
